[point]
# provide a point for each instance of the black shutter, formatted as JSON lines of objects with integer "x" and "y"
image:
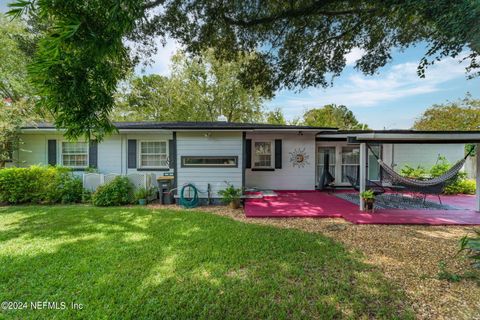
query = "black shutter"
{"x": 52, "y": 152}
{"x": 132, "y": 154}
{"x": 248, "y": 153}
{"x": 278, "y": 154}
{"x": 93, "y": 154}
{"x": 172, "y": 154}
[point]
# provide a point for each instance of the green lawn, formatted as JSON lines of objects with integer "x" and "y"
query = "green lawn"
{"x": 139, "y": 263}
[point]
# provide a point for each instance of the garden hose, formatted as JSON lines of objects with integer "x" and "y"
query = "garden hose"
{"x": 191, "y": 201}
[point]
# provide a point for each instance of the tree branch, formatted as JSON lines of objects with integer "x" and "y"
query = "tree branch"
{"x": 314, "y": 9}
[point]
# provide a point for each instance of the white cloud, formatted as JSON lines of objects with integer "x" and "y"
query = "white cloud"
{"x": 353, "y": 56}
{"x": 397, "y": 82}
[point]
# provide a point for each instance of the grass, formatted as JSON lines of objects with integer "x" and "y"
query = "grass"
{"x": 134, "y": 263}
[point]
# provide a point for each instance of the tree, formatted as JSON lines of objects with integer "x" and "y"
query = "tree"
{"x": 333, "y": 116}
{"x": 456, "y": 115}
{"x": 16, "y": 107}
{"x": 275, "y": 117}
{"x": 13, "y": 60}
{"x": 199, "y": 89}
{"x": 82, "y": 57}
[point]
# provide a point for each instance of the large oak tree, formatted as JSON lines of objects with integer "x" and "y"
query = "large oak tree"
{"x": 303, "y": 43}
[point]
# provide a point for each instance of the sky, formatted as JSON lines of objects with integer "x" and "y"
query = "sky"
{"x": 391, "y": 99}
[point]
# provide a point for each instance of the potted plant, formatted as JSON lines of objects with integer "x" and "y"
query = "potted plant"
{"x": 142, "y": 195}
{"x": 368, "y": 198}
{"x": 231, "y": 196}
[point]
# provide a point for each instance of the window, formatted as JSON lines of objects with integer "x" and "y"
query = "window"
{"x": 350, "y": 162}
{"x": 75, "y": 154}
{"x": 209, "y": 161}
{"x": 262, "y": 155}
{"x": 153, "y": 154}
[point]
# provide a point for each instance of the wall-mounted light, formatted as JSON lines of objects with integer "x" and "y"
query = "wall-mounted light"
{"x": 208, "y": 135}
{"x": 300, "y": 133}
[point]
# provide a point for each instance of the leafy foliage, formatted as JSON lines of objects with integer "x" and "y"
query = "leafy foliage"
{"x": 333, "y": 116}
{"x": 80, "y": 60}
{"x": 37, "y": 184}
{"x": 472, "y": 246}
{"x": 368, "y": 195}
{"x": 82, "y": 57}
{"x": 143, "y": 193}
{"x": 457, "y": 115}
{"x": 275, "y": 117}
{"x": 459, "y": 185}
{"x": 117, "y": 192}
{"x": 230, "y": 194}
{"x": 13, "y": 60}
{"x": 199, "y": 89}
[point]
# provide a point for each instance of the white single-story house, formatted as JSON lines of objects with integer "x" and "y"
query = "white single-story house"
{"x": 262, "y": 156}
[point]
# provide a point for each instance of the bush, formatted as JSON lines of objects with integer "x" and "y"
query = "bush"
{"x": 414, "y": 173}
{"x": 459, "y": 185}
{"x": 38, "y": 184}
{"x": 115, "y": 193}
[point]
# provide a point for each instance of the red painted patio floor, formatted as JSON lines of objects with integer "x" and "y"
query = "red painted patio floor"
{"x": 314, "y": 204}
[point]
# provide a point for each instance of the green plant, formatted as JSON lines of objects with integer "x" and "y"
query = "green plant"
{"x": 368, "y": 195}
{"x": 91, "y": 170}
{"x": 144, "y": 193}
{"x": 117, "y": 192}
{"x": 37, "y": 184}
{"x": 86, "y": 196}
{"x": 414, "y": 173}
{"x": 230, "y": 194}
{"x": 459, "y": 185}
{"x": 444, "y": 274}
{"x": 471, "y": 245}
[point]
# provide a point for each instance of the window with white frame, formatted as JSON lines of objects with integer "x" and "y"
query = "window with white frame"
{"x": 262, "y": 154}
{"x": 153, "y": 154}
{"x": 74, "y": 154}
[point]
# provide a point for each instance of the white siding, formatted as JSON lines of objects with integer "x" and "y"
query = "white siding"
{"x": 425, "y": 155}
{"x": 289, "y": 177}
{"x": 209, "y": 144}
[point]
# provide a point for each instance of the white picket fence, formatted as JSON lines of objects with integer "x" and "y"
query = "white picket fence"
{"x": 91, "y": 181}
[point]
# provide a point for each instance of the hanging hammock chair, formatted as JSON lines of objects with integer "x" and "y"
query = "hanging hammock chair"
{"x": 426, "y": 186}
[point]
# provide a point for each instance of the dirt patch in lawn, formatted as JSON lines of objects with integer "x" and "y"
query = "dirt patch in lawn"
{"x": 407, "y": 255}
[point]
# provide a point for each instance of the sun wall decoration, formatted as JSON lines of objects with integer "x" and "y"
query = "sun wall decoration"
{"x": 299, "y": 157}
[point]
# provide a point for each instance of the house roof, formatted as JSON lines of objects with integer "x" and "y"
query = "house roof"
{"x": 216, "y": 125}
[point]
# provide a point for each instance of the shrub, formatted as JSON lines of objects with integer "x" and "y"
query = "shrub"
{"x": 459, "y": 185}
{"x": 38, "y": 184}
{"x": 117, "y": 192}
{"x": 414, "y": 173}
